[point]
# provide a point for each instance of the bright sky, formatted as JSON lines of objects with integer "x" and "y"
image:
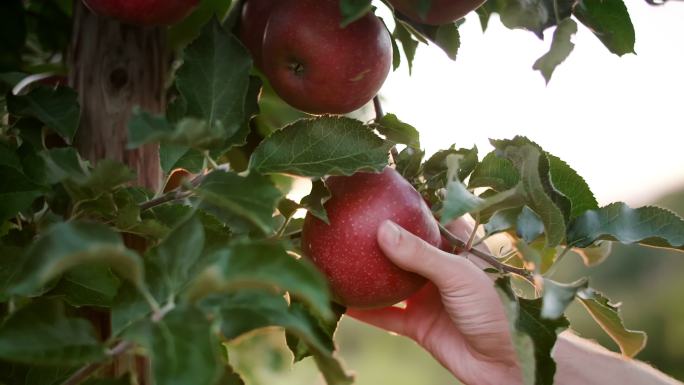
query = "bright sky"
{"x": 618, "y": 121}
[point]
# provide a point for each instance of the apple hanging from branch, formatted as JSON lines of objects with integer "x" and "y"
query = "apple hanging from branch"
{"x": 346, "y": 250}
{"x": 318, "y": 66}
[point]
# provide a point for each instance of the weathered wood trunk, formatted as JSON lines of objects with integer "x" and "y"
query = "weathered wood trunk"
{"x": 116, "y": 67}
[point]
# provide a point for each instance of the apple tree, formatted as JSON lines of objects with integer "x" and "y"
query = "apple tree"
{"x": 147, "y": 150}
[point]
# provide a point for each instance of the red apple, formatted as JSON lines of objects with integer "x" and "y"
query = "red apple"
{"x": 319, "y": 67}
{"x": 441, "y": 11}
{"x": 346, "y": 250}
{"x": 143, "y": 12}
{"x": 255, "y": 14}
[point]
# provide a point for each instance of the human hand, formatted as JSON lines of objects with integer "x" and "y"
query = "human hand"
{"x": 457, "y": 317}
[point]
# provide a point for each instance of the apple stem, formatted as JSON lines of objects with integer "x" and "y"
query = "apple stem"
{"x": 502, "y": 267}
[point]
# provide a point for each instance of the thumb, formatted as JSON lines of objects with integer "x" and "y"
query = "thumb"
{"x": 411, "y": 253}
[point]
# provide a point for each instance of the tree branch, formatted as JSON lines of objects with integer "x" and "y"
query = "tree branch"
{"x": 459, "y": 244}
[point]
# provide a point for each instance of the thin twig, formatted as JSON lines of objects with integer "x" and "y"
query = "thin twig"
{"x": 85, "y": 372}
{"x": 469, "y": 244}
{"x": 378, "y": 115}
{"x": 459, "y": 244}
{"x": 180, "y": 192}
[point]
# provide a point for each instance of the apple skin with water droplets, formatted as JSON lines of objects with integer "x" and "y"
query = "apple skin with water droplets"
{"x": 347, "y": 251}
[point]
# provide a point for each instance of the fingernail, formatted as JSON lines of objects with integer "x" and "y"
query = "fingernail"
{"x": 390, "y": 233}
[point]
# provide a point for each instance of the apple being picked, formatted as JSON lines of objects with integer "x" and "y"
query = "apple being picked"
{"x": 440, "y": 12}
{"x": 253, "y": 19}
{"x": 318, "y": 66}
{"x": 143, "y": 12}
{"x": 346, "y": 250}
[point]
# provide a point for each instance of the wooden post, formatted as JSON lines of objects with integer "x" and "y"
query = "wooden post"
{"x": 115, "y": 67}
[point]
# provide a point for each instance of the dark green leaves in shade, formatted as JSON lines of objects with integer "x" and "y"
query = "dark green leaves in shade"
{"x": 608, "y": 317}
{"x": 561, "y": 47}
{"x": 649, "y": 226}
{"x": 68, "y": 245}
{"x": 226, "y": 191}
{"x": 214, "y": 79}
{"x": 13, "y": 32}
{"x": 182, "y": 348}
{"x": 17, "y": 190}
{"x": 263, "y": 264}
{"x": 495, "y": 172}
{"x": 41, "y": 333}
{"x": 57, "y": 108}
{"x": 321, "y": 146}
{"x": 609, "y": 21}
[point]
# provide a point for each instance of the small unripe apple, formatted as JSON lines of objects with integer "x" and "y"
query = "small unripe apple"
{"x": 318, "y": 66}
{"x": 441, "y": 11}
{"x": 255, "y": 14}
{"x": 347, "y": 251}
{"x": 143, "y": 12}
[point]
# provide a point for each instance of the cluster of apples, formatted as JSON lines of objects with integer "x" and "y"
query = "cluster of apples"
{"x": 320, "y": 67}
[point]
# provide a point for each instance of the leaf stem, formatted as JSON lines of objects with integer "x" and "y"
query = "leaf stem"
{"x": 180, "y": 192}
{"x": 469, "y": 244}
{"x": 85, "y": 372}
{"x": 459, "y": 244}
{"x": 379, "y": 113}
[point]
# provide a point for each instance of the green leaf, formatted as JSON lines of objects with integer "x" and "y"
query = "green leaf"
{"x": 182, "y": 348}
{"x": 558, "y": 296}
{"x": 608, "y": 317}
{"x": 398, "y": 131}
{"x": 144, "y": 127}
{"x": 596, "y": 253}
{"x": 522, "y": 341}
{"x": 226, "y": 190}
{"x": 178, "y": 256}
{"x": 544, "y": 333}
{"x": 561, "y": 47}
{"x": 495, "y": 172}
{"x": 435, "y": 169}
{"x": 64, "y": 163}
{"x": 502, "y": 220}
{"x": 64, "y": 246}
{"x": 10, "y": 263}
{"x": 314, "y": 202}
{"x": 263, "y": 264}
{"x": 609, "y": 21}
{"x": 528, "y": 225}
{"x": 17, "y": 191}
{"x": 88, "y": 286}
{"x": 181, "y": 33}
{"x": 175, "y": 156}
{"x": 214, "y": 79}
{"x": 321, "y": 146}
{"x": 353, "y": 10}
{"x": 528, "y": 161}
{"x": 570, "y": 184}
{"x": 407, "y": 43}
{"x": 41, "y": 333}
{"x": 408, "y": 163}
{"x": 458, "y": 201}
{"x": 57, "y": 108}
{"x": 649, "y": 226}
{"x": 533, "y": 15}
{"x": 448, "y": 39}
